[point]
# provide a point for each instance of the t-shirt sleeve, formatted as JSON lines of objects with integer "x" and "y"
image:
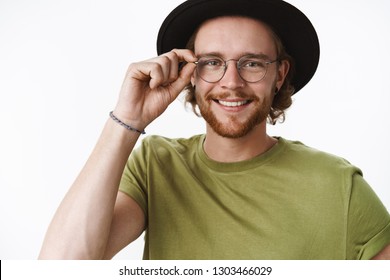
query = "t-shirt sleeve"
{"x": 368, "y": 222}
{"x": 134, "y": 177}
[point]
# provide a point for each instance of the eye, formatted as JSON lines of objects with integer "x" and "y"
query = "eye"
{"x": 253, "y": 64}
{"x": 211, "y": 62}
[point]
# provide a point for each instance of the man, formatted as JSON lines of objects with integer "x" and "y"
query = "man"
{"x": 235, "y": 192}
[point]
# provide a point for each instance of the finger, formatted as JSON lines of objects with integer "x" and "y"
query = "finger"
{"x": 164, "y": 69}
{"x": 185, "y": 55}
{"x": 157, "y": 76}
{"x": 178, "y": 58}
{"x": 171, "y": 62}
{"x": 184, "y": 79}
{"x": 148, "y": 72}
{"x": 174, "y": 71}
{"x": 167, "y": 65}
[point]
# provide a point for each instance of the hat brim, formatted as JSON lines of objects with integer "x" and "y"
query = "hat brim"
{"x": 290, "y": 24}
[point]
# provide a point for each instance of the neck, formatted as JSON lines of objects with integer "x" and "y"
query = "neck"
{"x": 224, "y": 149}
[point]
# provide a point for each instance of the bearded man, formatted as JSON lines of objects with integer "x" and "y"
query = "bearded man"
{"x": 234, "y": 192}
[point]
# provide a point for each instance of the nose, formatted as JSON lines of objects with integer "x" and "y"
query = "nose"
{"x": 231, "y": 79}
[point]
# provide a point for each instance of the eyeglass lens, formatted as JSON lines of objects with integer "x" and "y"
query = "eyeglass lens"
{"x": 250, "y": 68}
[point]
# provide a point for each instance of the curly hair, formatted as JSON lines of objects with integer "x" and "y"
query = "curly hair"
{"x": 282, "y": 100}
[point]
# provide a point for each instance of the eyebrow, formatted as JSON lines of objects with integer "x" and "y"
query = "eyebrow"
{"x": 218, "y": 54}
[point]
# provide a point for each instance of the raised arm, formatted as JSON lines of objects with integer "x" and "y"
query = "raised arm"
{"x": 93, "y": 221}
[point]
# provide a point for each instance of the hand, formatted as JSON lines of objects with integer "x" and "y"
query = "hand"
{"x": 151, "y": 85}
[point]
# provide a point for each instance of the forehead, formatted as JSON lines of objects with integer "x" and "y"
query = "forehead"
{"x": 234, "y": 35}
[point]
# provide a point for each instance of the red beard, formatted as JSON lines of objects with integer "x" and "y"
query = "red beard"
{"x": 234, "y": 128}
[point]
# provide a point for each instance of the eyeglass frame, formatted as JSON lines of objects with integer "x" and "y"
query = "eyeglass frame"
{"x": 267, "y": 63}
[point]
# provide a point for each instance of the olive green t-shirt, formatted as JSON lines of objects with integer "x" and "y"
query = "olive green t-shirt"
{"x": 292, "y": 202}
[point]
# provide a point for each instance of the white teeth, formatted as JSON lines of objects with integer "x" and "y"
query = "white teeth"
{"x": 232, "y": 104}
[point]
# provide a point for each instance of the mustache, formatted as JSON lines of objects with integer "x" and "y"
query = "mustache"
{"x": 231, "y": 95}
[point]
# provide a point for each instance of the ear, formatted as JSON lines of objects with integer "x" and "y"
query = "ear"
{"x": 284, "y": 67}
{"x": 193, "y": 78}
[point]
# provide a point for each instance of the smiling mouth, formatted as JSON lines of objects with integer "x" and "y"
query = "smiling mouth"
{"x": 232, "y": 103}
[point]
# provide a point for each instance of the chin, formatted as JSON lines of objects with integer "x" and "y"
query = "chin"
{"x": 233, "y": 128}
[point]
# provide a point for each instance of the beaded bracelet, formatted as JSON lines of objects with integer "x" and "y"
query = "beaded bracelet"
{"x": 125, "y": 125}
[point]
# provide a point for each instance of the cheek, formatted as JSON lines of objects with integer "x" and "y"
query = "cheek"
{"x": 265, "y": 87}
{"x": 268, "y": 84}
{"x": 202, "y": 87}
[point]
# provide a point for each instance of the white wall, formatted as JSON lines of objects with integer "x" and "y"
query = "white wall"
{"x": 62, "y": 64}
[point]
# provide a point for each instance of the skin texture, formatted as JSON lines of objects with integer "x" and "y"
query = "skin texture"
{"x": 94, "y": 220}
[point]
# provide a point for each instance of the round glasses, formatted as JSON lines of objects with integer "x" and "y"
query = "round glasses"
{"x": 251, "y": 68}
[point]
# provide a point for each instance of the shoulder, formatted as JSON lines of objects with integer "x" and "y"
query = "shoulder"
{"x": 155, "y": 146}
{"x": 311, "y": 158}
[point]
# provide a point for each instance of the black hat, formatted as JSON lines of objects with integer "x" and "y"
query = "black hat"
{"x": 290, "y": 24}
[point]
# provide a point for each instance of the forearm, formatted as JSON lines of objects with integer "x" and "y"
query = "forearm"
{"x": 81, "y": 225}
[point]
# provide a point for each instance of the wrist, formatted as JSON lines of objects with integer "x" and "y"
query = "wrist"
{"x": 132, "y": 117}
{"x": 127, "y": 124}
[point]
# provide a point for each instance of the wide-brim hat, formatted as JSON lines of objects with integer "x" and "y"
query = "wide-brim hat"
{"x": 290, "y": 24}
